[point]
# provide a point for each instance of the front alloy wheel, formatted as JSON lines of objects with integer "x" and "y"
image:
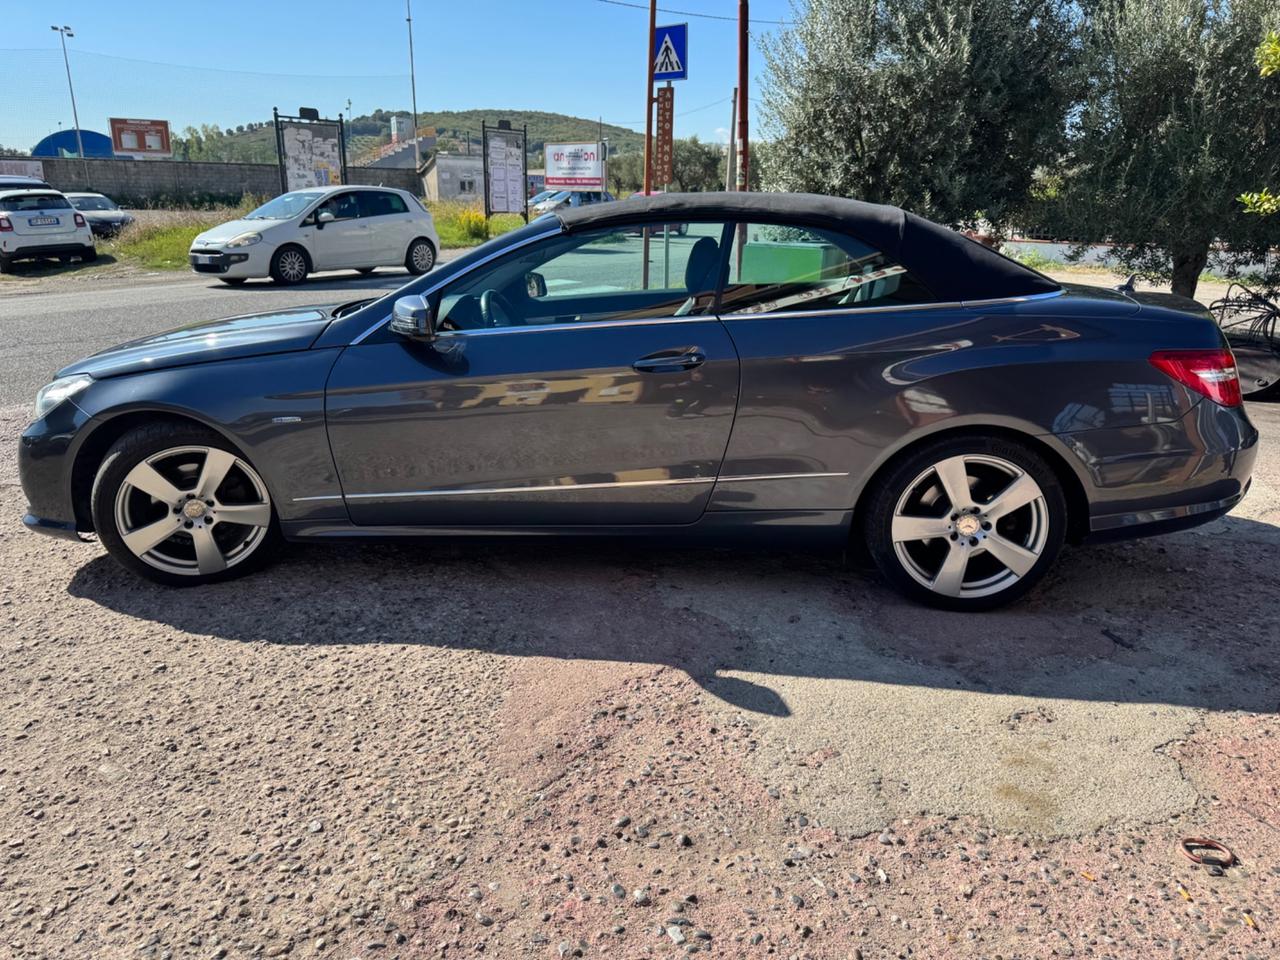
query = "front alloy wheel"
{"x": 289, "y": 266}
{"x": 969, "y": 524}
{"x": 182, "y": 512}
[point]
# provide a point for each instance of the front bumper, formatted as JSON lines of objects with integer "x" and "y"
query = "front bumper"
{"x": 46, "y": 454}
{"x": 248, "y": 262}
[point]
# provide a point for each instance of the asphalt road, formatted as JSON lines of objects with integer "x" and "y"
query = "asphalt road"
{"x": 51, "y": 322}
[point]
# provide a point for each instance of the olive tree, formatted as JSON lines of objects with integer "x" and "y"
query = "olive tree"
{"x": 943, "y": 108}
{"x": 1177, "y": 123}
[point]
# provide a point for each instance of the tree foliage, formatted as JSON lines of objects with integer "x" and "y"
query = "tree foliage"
{"x": 697, "y": 167}
{"x": 1176, "y": 124}
{"x": 945, "y": 109}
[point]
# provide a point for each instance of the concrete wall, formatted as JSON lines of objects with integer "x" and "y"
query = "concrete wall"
{"x": 161, "y": 182}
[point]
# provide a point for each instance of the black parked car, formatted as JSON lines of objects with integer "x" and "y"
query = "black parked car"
{"x": 795, "y": 367}
{"x": 106, "y": 219}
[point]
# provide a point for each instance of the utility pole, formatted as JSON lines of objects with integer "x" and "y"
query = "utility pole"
{"x": 744, "y": 101}
{"x": 413, "y": 90}
{"x": 731, "y": 173}
{"x": 65, "y": 32}
{"x": 648, "y": 107}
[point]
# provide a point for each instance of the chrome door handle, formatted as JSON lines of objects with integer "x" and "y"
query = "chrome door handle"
{"x": 670, "y": 361}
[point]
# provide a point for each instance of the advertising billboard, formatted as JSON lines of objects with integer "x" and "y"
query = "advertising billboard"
{"x": 574, "y": 166}
{"x": 310, "y": 153}
{"x": 140, "y": 138}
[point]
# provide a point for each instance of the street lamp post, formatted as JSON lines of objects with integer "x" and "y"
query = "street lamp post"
{"x": 413, "y": 91}
{"x": 63, "y": 33}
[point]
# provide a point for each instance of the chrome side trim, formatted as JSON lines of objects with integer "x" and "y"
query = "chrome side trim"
{"x": 335, "y": 496}
{"x": 585, "y": 325}
{"x": 548, "y": 488}
{"x": 1027, "y": 299}
{"x": 574, "y": 487}
{"x": 475, "y": 266}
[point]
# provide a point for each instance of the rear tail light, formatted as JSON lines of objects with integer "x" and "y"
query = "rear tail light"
{"x": 6, "y": 226}
{"x": 1208, "y": 372}
{"x": 80, "y": 221}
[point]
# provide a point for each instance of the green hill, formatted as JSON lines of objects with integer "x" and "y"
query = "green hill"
{"x": 256, "y": 142}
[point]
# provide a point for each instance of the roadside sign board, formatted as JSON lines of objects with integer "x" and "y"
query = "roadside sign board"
{"x": 140, "y": 138}
{"x": 574, "y": 166}
{"x": 671, "y": 52}
{"x": 664, "y": 149}
{"x": 22, "y": 168}
{"x": 504, "y": 170}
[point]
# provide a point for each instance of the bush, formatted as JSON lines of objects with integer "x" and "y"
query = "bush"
{"x": 463, "y": 224}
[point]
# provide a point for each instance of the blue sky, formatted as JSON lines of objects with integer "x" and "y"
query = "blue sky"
{"x": 231, "y": 61}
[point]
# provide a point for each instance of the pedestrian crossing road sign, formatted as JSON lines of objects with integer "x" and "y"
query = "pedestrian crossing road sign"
{"x": 671, "y": 52}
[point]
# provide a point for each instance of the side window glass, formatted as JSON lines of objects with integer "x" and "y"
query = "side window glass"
{"x": 344, "y": 206}
{"x": 594, "y": 276}
{"x": 376, "y": 203}
{"x": 776, "y": 269}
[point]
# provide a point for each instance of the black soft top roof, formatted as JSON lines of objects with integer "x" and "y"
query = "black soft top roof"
{"x": 952, "y": 266}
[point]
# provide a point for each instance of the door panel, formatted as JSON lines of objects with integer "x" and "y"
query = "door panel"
{"x": 343, "y": 242}
{"x": 535, "y": 426}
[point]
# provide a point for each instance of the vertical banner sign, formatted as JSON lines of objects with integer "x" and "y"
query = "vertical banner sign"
{"x": 671, "y": 52}
{"x": 664, "y": 149}
{"x": 504, "y": 167}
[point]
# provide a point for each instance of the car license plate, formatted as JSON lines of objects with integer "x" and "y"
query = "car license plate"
{"x": 206, "y": 258}
{"x": 43, "y": 221}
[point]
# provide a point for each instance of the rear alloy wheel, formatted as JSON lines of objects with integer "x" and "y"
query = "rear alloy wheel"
{"x": 421, "y": 256}
{"x": 178, "y": 506}
{"x": 289, "y": 266}
{"x": 967, "y": 524}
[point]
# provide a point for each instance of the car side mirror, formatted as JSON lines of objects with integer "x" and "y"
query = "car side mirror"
{"x": 536, "y": 285}
{"x": 413, "y": 317}
{"x": 323, "y": 217}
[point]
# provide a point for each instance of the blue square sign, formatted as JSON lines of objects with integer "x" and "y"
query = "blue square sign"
{"x": 671, "y": 52}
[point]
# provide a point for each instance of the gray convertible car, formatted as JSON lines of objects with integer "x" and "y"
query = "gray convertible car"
{"x": 781, "y": 367}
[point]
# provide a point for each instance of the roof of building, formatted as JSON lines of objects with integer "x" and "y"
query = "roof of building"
{"x": 952, "y": 266}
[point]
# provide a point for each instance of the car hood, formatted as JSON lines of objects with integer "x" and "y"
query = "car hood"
{"x": 230, "y": 339}
{"x": 232, "y": 229}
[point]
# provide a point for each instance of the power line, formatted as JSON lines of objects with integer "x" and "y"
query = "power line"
{"x": 687, "y": 13}
{"x": 683, "y": 113}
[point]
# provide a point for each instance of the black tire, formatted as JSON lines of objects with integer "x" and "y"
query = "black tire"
{"x": 420, "y": 257}
{"x": 90, "y": 255}
{"x": 365, "y": 271}
{"x": 129, "y": 452}
{"x": 1044, "y": 521}
{"x": 6, "y": 265}
{"x": 290, "y": 265}
{"x": 232, "y": 281}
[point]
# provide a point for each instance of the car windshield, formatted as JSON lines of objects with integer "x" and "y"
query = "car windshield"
{"x": 92, "y": 203}
{"x": 562, "y": 195}
{"x": 539, "y": 197}
{"x": 34, "y": 201}
{"x": 285, "y": 207}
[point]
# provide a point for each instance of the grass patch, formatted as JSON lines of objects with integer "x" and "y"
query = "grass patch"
{"x": 160, "y": 239}
{"x": 463, "y": 224}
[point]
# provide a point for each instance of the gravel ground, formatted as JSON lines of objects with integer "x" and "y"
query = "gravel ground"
{"x": 608, "y": 750}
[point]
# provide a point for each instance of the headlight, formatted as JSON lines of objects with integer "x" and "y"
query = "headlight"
{"x": 61, "y": 389}
{"x": 244, "y": 240}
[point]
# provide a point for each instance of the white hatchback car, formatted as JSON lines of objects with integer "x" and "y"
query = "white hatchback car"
{"x": 325, "y": 228}
{"x": 40, "y": 222}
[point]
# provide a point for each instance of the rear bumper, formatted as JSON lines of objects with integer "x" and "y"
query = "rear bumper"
{"x": 30, "y": 251}
{"x": 1163, "y": 477}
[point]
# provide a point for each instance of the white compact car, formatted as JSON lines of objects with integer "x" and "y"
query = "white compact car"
{"x": 325, "y": 228}
{"x": 40, "y": 222}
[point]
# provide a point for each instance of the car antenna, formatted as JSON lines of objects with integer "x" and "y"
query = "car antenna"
{"x": 1130, "y": 285}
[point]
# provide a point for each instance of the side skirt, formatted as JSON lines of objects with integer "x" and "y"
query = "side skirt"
{"x": 800, "y": 527}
